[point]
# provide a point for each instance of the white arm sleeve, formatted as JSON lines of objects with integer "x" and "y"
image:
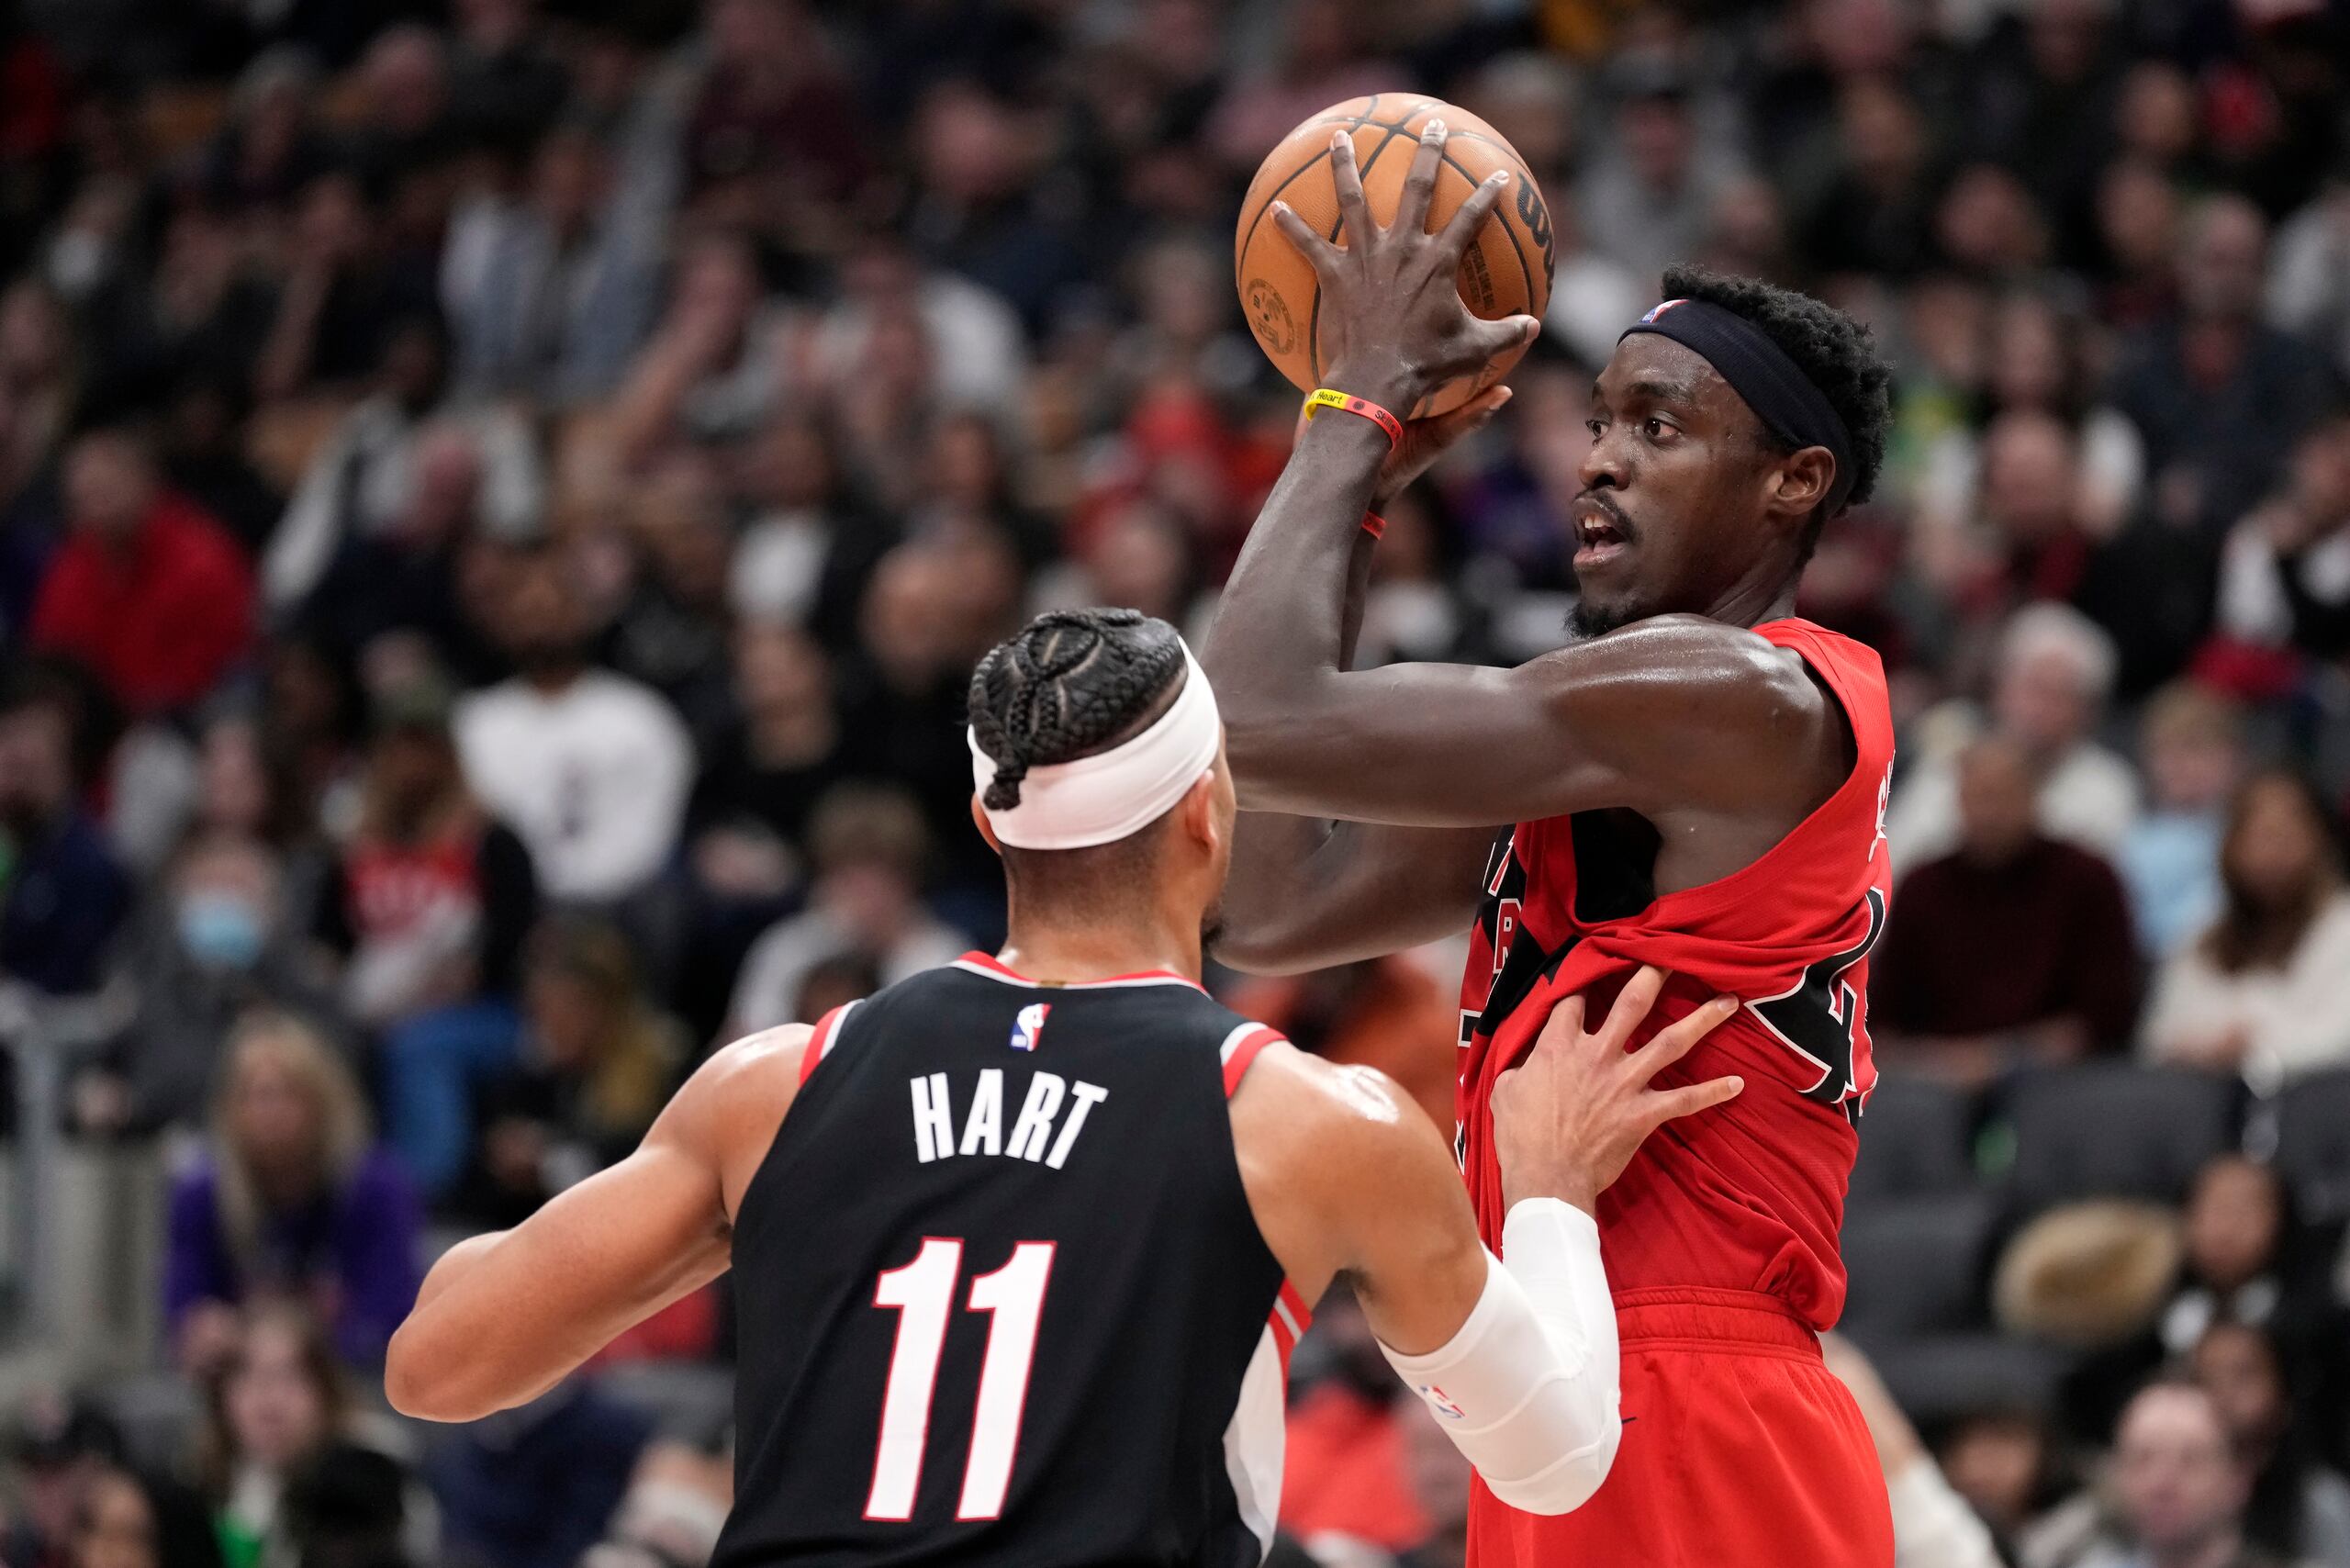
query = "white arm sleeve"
{"x": 1527, "y": 1388}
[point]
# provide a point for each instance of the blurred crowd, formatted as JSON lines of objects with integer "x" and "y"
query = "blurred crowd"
{"x": 499, "y": 503}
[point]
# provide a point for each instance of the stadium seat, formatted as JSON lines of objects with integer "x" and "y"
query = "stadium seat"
{"x": 2313, "y": 1143}
{"x": 1915, "y": 1265}
{"x": 1941, "y": 1376}
{"x": 2115, "y": 1129}
{"x": 1913, "y": 1140}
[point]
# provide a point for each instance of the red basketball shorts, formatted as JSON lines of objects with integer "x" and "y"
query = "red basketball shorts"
{"x": 1740, "y": 1450}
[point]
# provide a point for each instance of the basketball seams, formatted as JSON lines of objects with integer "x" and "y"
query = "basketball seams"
{"x": 1314, "y": 317}
{"x": 1370, "y": 116}
{"x": 1516, "y": 249}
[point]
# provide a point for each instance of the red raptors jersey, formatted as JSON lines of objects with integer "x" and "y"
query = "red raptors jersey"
{"x": 1750, "y": 1195}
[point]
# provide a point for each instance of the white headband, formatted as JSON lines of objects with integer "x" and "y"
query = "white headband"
{"x": 1102, "y": 798}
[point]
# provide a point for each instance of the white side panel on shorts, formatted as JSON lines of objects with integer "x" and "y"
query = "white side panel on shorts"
{"x": 1254, "y": 1439}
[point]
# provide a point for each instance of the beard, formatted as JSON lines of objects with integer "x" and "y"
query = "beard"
{"x": 1212, "y": 928}
{"x": 1589, "y": 619}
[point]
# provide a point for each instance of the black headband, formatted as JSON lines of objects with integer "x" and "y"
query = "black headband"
{"x": 1758, "y": 370}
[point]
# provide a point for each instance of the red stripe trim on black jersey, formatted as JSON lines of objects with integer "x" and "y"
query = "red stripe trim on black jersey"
{"x": 820, "y": 1042}
{"x": 996, "y": 969}
{"x": 1289, "y": 1320}
{"x": 1240, "y": 1048}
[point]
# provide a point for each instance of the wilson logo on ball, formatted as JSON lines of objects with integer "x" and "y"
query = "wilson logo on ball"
{"x": 1270, "y": 313}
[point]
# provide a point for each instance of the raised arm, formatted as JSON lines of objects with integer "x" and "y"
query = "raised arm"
{"x": 505, "y": 1317}
{"x": 1305, "y": 892}
{"x": 1672, "y": 713}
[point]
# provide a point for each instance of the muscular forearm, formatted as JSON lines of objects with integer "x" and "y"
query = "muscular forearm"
{"x": 1283, "y": 624}
{"x": 477, "y": 1343}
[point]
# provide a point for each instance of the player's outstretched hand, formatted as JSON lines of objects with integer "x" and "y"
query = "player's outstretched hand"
{"x": 1569, "y": 1117}
{"x": 1390, "y": 309}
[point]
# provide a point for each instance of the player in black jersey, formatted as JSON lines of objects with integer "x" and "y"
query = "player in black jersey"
{"x": 1020, "y": 1246}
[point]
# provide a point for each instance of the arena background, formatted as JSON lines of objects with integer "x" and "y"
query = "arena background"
{"x": 497, "y": 507}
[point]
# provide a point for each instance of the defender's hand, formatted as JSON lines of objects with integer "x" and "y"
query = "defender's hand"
{"x": 1569, "y": 1117}
{"x": 1390, "y": 305}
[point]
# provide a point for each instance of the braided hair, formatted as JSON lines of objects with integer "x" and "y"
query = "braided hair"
{"x": 1070, "y": 683}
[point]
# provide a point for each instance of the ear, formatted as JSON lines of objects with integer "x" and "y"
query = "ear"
{"x": 1801, "y": 481}
{"x": 1197, "y": 809}
{"x": 987, "y": 831}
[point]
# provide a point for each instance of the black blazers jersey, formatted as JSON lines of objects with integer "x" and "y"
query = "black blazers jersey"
{"x": 1000, "y": 1298}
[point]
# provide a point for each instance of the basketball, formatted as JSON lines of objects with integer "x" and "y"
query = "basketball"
{"x": 1506, "y": 272}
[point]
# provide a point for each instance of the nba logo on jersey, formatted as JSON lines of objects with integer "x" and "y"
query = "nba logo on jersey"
{"x": 1029, "y": 1026}
{"x": 1441, "y": 1402}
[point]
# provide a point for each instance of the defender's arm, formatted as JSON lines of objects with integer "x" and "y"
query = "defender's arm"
{"x": 505, "y": 1317}
{"x": 1347, "y": 1176}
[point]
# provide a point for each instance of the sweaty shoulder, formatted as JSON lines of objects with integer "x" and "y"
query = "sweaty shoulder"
{"x": 730, "y": 1109}
{"x": 1728, "y": 710}
{"x": 1322, "y": 1146}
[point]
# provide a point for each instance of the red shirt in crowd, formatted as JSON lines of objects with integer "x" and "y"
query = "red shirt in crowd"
{"x": 159, "y": 617}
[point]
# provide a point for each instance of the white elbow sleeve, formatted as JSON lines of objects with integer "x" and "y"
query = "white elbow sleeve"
{"x": 1527, "y": 1388}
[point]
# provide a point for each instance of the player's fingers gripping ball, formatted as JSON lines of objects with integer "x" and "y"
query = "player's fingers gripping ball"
{"x": 1506, "y": 272}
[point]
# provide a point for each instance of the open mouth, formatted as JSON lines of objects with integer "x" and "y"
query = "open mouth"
{"x": 1599, "y": 537}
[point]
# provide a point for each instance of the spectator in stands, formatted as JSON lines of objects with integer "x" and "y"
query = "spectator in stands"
{"x": 2055, "y": 672}
{"x": 2266, "y": 990}
{"x": 63, "y": 894}
{"x": 712, "y": 368}
{"x": 58, "y": 1447}
{"x": 2174, "y": 1496}
{"x": 1649, "y": 203}
{"x": 670, "y": 628}
{"x": 430, "y": 897}
{"x": 592, "y": 1067}
{"x": 2035, "y": 361}
{"x": 363, "y": 479}
{"x": 2219, "y": 396}
{"x": 402, "y": 578}
{"x": 812, "y": 540}
{"x": 2191, "y": 742}
{"x": 2004, "y": 1463}
{"x": 245, "y": 787}
{"x": 759, "y": 787}
{"x": 215, "y": 946}
{"x": 147, "y": 590}
{"x": 277, "y": 1410}
{"x": 2015, "y": 950}
{"x": 131, "y": 1520}
{"x": 270, "y": 1401}
{"x": 2249, "y": 1260}
{"x": 591, "y": 768}
{"x": 2285, "y": 573}
{"x": 868, "y": 845}
{"x": 549, "y": 293}
{"x": 2300, "y": 1509}
{"x": 290, "y": 1202}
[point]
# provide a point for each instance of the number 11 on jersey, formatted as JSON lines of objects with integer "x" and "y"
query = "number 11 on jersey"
{"x": 922, "y": 1295}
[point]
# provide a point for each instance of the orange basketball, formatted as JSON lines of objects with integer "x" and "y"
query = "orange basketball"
{"x": 1506, "y": 271}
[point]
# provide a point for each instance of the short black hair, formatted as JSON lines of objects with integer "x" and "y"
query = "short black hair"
{"x": 1068, "y": 684}
{"x": 1835, "y": 353}
{"x": 1071, "y": 683}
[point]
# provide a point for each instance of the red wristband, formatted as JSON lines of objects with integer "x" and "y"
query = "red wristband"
{"x": 1374, "y": 525}
{"x": 1323, "y": 398}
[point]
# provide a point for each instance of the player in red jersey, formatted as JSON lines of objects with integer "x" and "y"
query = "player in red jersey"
{"x": 1697, "y": 781}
